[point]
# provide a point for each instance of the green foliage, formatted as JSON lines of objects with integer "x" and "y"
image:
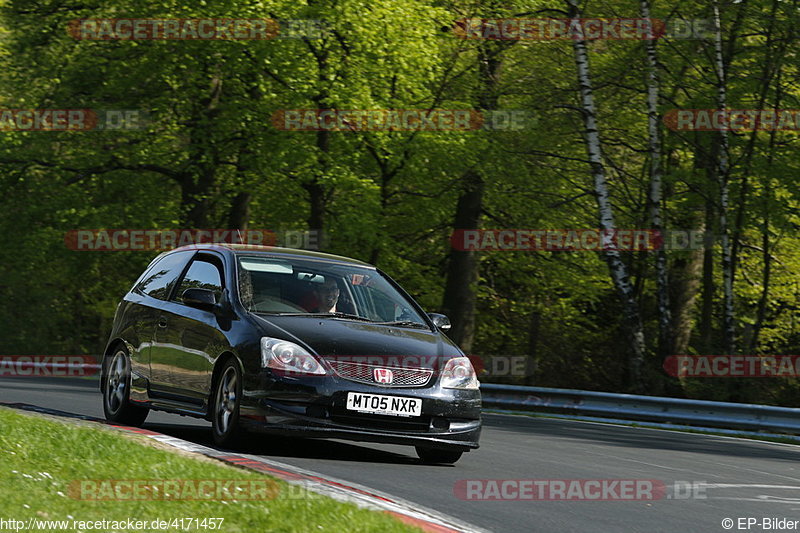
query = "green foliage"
{"x": 389, "y": 197}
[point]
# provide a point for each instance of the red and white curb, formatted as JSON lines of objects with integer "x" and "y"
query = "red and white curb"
{"x": 345, "y": 491}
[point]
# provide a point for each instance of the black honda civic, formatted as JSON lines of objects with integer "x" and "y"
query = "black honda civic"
{"x": 289, "y": 342}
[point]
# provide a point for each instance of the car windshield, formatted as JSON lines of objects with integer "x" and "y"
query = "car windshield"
{"x": 284, "y": 286}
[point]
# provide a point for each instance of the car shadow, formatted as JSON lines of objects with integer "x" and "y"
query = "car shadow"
{"x": 276, "y": 446}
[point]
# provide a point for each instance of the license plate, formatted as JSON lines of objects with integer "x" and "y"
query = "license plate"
{"x": 383, "y": 405}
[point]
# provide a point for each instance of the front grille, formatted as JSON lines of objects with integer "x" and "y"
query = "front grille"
{"x": 363, "y": 373}
{"x": 381, "y": 422}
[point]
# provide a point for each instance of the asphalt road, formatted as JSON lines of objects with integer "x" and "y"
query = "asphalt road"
{"x": 735, "y": 478}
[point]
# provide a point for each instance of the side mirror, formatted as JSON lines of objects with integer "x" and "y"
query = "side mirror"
{"x": 200, "y": 298}
{"x": 440, "y": 321}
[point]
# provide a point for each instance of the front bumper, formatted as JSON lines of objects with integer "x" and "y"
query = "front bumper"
{"x": 315, "y": 407}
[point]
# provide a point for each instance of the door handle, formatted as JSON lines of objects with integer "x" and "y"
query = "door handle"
{"x": 162, "y": 322}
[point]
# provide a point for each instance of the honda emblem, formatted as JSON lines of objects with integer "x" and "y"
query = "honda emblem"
{"x": 383, "y": 375}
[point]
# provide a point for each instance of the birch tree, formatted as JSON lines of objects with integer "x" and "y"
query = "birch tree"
{"x": 617, "y": 268}
{"x": 655, "y": 190}
{"x": 723, "y": 172}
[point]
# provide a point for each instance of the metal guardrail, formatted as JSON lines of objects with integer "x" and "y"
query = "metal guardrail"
{"x": 727, "y": 415}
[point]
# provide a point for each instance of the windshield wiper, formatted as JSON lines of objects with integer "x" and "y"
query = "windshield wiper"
{"x": 328, "y": 315}
{"x": 406, "y": 323}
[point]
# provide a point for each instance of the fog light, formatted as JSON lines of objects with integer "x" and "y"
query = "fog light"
{"x": 316, "y": 411}
{"x": 439, "y": 423}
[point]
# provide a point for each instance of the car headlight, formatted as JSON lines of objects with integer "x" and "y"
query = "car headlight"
{"x": 459, "y": 374}
{"x": 288, "y": 357}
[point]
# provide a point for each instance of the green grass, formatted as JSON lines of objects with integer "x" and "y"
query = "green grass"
{"x": 40, "y": 458}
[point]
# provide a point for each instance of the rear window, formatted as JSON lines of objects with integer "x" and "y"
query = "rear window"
{"x": 162, "y": 275}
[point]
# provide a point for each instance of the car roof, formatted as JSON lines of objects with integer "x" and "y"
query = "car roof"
{"x": 276, "y": 251}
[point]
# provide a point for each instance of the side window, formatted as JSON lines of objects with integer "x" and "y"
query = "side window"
{"x": 203, "y": 273}
{"x": 161, "y": 277}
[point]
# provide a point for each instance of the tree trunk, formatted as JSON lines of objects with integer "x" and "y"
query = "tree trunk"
{"x": 655, "y": 193}
{"x": 532, "y": 362}
{"x": 240, "y": 211}
{"x": 462, "y": 268}
{"x": 770, "y": 65}
{"x": 619, "y": 273}
{"x": 686, "y": 274}
{"x": 687, "y": 271}
{"x": 763, "y": 299}
{"x": 723, "y": 170}
{"x": 317, "y": 205}
{"x": 198, "y": 198}
{"x": 317, "y": 194}
{"x": 199, "y": 190}
{"x": 707, "y": 311}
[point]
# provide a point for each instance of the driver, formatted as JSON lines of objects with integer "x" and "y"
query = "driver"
{"x": 325, "y": 297}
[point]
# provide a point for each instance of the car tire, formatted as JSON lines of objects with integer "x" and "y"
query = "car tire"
{"x": 116, "y": 386}
{"x": 437, "y": 456}
{"x": 225, "y": 406}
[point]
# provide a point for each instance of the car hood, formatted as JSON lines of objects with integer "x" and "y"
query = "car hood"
{"x": 332, "y": 337}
